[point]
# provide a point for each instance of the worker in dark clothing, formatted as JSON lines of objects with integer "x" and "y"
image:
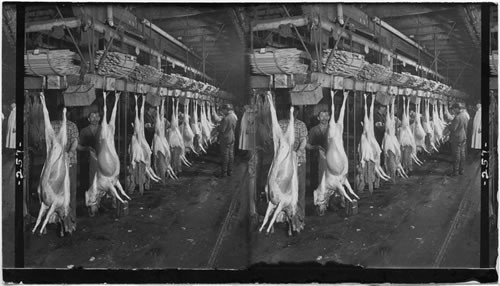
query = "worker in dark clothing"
{"x": 226, "y": 140}
{"x": 379, "y": 128}
{"x": 318, "y": 144}
{"x": 149, "y": 123}
{"x": 458, "y": 138}
{"x": 89, "y": 138}
{"x": 379, "y": 121}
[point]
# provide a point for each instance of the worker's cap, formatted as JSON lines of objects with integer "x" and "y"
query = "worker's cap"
{"x": 227, "y": 106}
{"x": 455, "y": 106}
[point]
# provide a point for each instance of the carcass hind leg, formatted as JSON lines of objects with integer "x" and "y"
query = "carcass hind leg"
{"x": 401, "y": 172}
{"x": 171, "y": 173}
{"x": 349, "y": 188}
{"x": 185, "y": 161}
{"x": 416, "y": 160}
{"x": 269, "y": 211}
{"x": 49, "y": 214}
{"x": 120, "y": 188}
{"x": 151, "y": 174}
{"x": 41, "y": 213}
{"x": 342, "y": 191}
{"x": 115, "y": 194}
{"x": 381, "y": 173}
{"x": 277, "y": 212}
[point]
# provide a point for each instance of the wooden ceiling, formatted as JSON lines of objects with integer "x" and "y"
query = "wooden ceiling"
{"x": 211, "y": 31}
{"x": 452, "y": 31}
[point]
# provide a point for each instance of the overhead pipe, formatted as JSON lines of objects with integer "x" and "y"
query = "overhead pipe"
{"x": 47, "y": 25}
{"x": 101, "y": 28}
{"x": 396, "y": 32}
{"x": 263, "y": 25}
{"x": 299, "y": 21}
{"x": 330, "y": 27}
{"x": 109, "y": 15}
{"x": 169, "y": 37}
{"x": 340, "y": 14}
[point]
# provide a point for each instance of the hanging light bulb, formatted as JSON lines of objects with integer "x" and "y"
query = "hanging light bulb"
{"x": 137, "y": 51}
{"x": 367, "y": 50}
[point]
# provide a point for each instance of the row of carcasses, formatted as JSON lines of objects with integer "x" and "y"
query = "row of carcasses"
{"x": 54, "y": 187}
{"x": 425, "y": 134}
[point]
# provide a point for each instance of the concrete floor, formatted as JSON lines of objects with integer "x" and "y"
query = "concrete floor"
{"x": 174, "y": 226}
{"x": 429, "y": 220}
{"x": 199, "y": 221}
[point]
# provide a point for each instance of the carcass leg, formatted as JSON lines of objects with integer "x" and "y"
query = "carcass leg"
{"x": 349, "y": 188}
{"x": 120, "y": 188}
{"x": 276, "y": 213}
{"x": 115, "y": 194}
{"x": 416, "y": 160}
{"x": 270, "y": 208}
{"x": 381, "y": 173}
{"x": 49, "y": 214}
{"x": 41, "y": 213}
{"x": 171, "y": 172}
{"x": 151, "y": 174}
{"x": 185, "y": 161}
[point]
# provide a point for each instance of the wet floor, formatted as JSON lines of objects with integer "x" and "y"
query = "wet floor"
{"x": 429, "y": 220}
{"x": 175, "y": 225}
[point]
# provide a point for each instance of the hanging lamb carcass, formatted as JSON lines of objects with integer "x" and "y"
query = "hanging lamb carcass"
{"x": 282, "y": 189}
{"x": 418, "y": 129}
{"x": 196, "y": 127}
{"x": 407, "y": 139}
{"x": 369, "y": 169}
{"x": 161, "y": 148}
{"x": 335, "y": 176}
{"x": 175, "y": 137}
{"x": 54, "y": 189}
{"x": 108, "y": 164}
{"x": 391, "y": 146}
{"x": 187, "y": 132}
{"x": 139, "y": 150}
{"x": 429, "y": 128}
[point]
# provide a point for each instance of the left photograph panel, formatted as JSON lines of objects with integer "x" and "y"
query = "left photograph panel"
{"x": 123, "y": 166}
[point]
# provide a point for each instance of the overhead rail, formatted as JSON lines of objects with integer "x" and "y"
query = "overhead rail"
{"x": 299, "y": 21}
{"x": 101, "y": 28}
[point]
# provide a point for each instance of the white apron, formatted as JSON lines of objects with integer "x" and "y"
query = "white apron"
{"x": 10, "y": 140}
{"x": 476, "y": 133}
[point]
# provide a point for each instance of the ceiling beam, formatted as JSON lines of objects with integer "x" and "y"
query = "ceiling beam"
{"x": 153, "y": 12}
{"x": 403, "y": 10}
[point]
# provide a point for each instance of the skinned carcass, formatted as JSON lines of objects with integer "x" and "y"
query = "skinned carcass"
{"x": 108, "y": 164}
{"x": 282, "y": 187}
{"x": 195, "y": 126}
{"x": 407, "y": 139}
{"x": 418, "y": 129}
{"x": 438, "y": 125}
{"x": 369, "y": 164}
{"x": 187, "y": 132}
{"x": 54, "y": 189}
{"x": 429, "y": 127}
{"x": 215, "y": 116}
{"x": 214, "y": 133}
{"x": 206, "y": 129}
{"x": 139, "y": 149}
{"x": 391, "y": 145}
{"x": 175, "y": 137}
{"x": 160, "y": 146}
{"x": 335, "y": 176}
